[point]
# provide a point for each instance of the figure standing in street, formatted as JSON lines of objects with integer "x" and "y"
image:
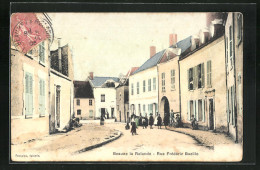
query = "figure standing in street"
{"x": 159, "y": 121}
{"x": 133, "y": 129}
{"x": 151, "y": 121}
{"x": 194, "y": 123}
{"x": 146, "y": 121}
{"x": 166, "y": 120}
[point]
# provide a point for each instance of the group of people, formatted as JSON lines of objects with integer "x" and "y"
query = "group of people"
{"x": 169, "y": 119}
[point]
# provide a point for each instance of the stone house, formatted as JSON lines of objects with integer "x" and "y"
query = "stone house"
{"x": 84, "y": 102}
{"x": 234, "y": 74}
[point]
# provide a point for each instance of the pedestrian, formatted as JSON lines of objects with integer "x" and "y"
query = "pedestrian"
{"x": 151, "y": 121}
{"x": 166, "y": 120}
{"x": 127, "y": 126}
{"x": 159, "y": 121}
{"x": 143, "y": 122}
{"x": 146, "y": 121}
{"x": 194, "y": 123}
{"x": 137, "y": 122}
{"x": 133, "y": 129}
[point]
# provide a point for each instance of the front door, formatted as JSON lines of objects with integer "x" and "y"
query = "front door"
{"x": 211, "y": 115}
{"x": 112, "y": 112}
{"x": 103, "y": 112}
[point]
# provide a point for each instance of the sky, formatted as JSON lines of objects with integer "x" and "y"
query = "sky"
{"x": 111, "y": 43}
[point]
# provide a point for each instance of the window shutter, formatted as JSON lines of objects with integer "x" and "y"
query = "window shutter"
{"x": 188, "y": 116}
{"x": 26, "y": 94}
{"x": 188, "y": 79}
{"x": 194, "y": 108}
{"x": 203, "y": 110}
{"x": 210, "y": 70}
{"x": 202, "y": 75}
{"x": 193, "y": 77}
{"x": 30, "y": 100}
{"x": 197, "y": 110}
{"x": 227, "y": 106}
{"x": 195, "y": 82}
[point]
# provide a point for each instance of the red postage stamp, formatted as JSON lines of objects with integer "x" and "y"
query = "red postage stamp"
{"x": 27, "y": 31}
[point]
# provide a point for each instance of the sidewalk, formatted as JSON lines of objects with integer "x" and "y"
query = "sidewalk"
{"x": 206, "y": 138}
{"x": 85, "y": 137}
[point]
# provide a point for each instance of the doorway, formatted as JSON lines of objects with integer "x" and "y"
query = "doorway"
{"x": 103, "y": 112}
{"x": 211, "y": 114}
{"x": 112, "y": 113}
{"x": 164, "y": 106}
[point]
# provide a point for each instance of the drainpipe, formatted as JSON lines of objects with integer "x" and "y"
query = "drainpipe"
{"x": 179, "y": 86}
{"x": 49, "y": 84}
{"x": 227, "y": 108}
{"x": 235, "y": 94}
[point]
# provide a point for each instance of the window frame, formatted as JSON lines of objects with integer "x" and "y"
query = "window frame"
{"x": 137, "y": 87}
{"x": 78, "y": 112}
{"x": 90, "y": 102}
{"x": 163, "y": 82}
{"x": 173, "y": 79}
{"x": 154, "y": 83}
{"x": 103, "y": 96}
{"x": 149, "y": 84}
{"x": 209, "y": 74}
{"x": 78, "y": 102}
{"x": 143, "y": 85}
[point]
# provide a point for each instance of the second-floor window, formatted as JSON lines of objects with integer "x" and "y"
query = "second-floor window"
{"x": 231, "y": 45}
{"x": 200, "y": 75}
{"x": 144, "y": 86}
{"x": 190, "y": 78}
{"x": 173, "y": 79}
{"x": 78, "y": 102}
{"x": 209, "y": 73}
{"x": 149, "y": 84}
{"x": 42, "y": 52}
{"x": 163, "y": 82}
{"x": 154, "y": 83}
{"x": 132, "y": 89}
{"x": 90, "y": 102}
{"x": 103, "y": 98}
{"x": 137, "y": 87}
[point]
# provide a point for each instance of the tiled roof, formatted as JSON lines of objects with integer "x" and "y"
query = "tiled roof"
{"x": 83, "y": 89}
{"x": 131, "y": 71}
{"x": 99, "y": 81}
{"x": 153, "y": 61}
{"x": 184, "y": 44}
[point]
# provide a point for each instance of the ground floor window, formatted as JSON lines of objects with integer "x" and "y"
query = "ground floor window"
{"x": 78, "y": 112}
{"x": 90, "y": 113}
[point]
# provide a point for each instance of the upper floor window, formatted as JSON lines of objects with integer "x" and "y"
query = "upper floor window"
{"x": 144, "y": 86}
{"x": 209, "y": 73}
{"x": 42, "y": 52}
{"x": 239, "y": 27}
{"x": 90, "y": 102}
{"x": 200, "y": 75}
{"x": 173, "y": 79}
{"x": 154, "y": 83}
{"x": 132, "y": 89}
{"x": 149, "y": 84}
{"x": 163, "y": 82}
{"x": 190, "y": 78}
{"x": 137, "y": 87}
{"x": 78, "y": 102}
{"x": 102, "y": 98}
{"x": 231, "y": 45}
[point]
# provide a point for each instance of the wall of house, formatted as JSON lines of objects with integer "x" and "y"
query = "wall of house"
{"x": 85, "y": 108}
{"x": 172, "y": 94}
{"x": 215, "y": 52}
{"x": 121, "y": 104}
{"x": 110, "y": 100}
{"x": 143, "y": 98}
{"x": 66, "y": 99}
{"x": 22, "y": 127}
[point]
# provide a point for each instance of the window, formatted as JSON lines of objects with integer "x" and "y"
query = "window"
{"x": 144, "y": 86}
{"x": 231, "y": 45}
{"x": 78, "y": 112}
{"x": 90, "y": 113}
{"x": 200, "y": 110}
{"x": 209, "y": 73}
{"x": 41, "y": 97}
{"x": 102, "y": 98}
{"x": 144, "y": 108}
{"x": 78, "y": 102}
{"x": 90, "y": 102}
{"x": 132, "y": 89}
{"x": 137, "y": 87}
{"x": 173, "y": 79}
{"x": 239, "y": 27}
{"x": 200, "y": 75}
{"x": 42, "y": 51}
{"x": 154, "y": 83}
{"x": 149, "y": 85}
{"x": 190, "y": 79}
{"x": 227, "y": 51}
{"x": 163, "y": 82}
{"x": 28, "y": 94}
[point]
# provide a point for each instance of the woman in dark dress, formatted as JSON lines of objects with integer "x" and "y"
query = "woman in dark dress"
{"x": 166, "y": 120}
{"x": 159, "y": 121}
{"x": 133, "y": 129}
{"x": 151, "y": 121}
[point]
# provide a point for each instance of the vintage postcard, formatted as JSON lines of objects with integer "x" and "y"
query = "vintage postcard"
{"x": 126, "y": 87}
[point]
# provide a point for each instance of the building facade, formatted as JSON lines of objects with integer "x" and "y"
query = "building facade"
{"x": 84, "y": 102}
{"x": 234, "y": 74}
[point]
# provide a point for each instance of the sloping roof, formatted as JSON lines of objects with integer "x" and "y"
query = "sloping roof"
{"x": 153, "y": 61}
{"x": 131, "y": 71}
{"x": 83, "y": 89}
{"x": 184, "y": 44}
{"x": 99, "y": 81}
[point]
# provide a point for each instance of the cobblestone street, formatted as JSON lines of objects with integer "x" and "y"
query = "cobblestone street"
{"x": 149, "y": 144}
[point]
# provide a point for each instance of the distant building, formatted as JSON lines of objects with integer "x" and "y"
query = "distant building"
{"x": 122, "y": 97}
{"x": 234, "y": 74}
{"x": 84, "y": 102}
{"x": 104, "y": 89}
{"x": 143, "y": 86}
{"x": 61, "y": 88}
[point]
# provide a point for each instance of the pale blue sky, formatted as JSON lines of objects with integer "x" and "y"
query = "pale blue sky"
{"x": 110, "y": 43}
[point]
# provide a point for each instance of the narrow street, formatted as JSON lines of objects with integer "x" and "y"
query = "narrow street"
{"x": 149, "y": 145}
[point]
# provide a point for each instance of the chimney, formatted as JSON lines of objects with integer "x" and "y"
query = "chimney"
{"x": 91, "y": 75}
{"x": 204, "y": 36}
{"x": 172, "y": 39}
{"x": 59, "y": 55}
{"x": 216, "y": 28}
{"x": 152, "y": 51}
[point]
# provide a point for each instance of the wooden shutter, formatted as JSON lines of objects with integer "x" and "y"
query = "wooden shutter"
{"x": 195, "y": 77}
{"x": 30, "y": 95}
{"x": 203, "y": 110}
{"x": 188, "y": 113}
{"x": 194, "y": 108}
{"x": 197, "y": 110}
{"x": 27, "y": 94}
{"x": 202, "y": 76}
{"x": 42, "y": 97}
{"x": 188, "y": 79}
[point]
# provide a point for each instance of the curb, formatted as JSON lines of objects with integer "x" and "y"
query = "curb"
{"x": 99, "y": 144}
{"x": 194, "y": 137}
